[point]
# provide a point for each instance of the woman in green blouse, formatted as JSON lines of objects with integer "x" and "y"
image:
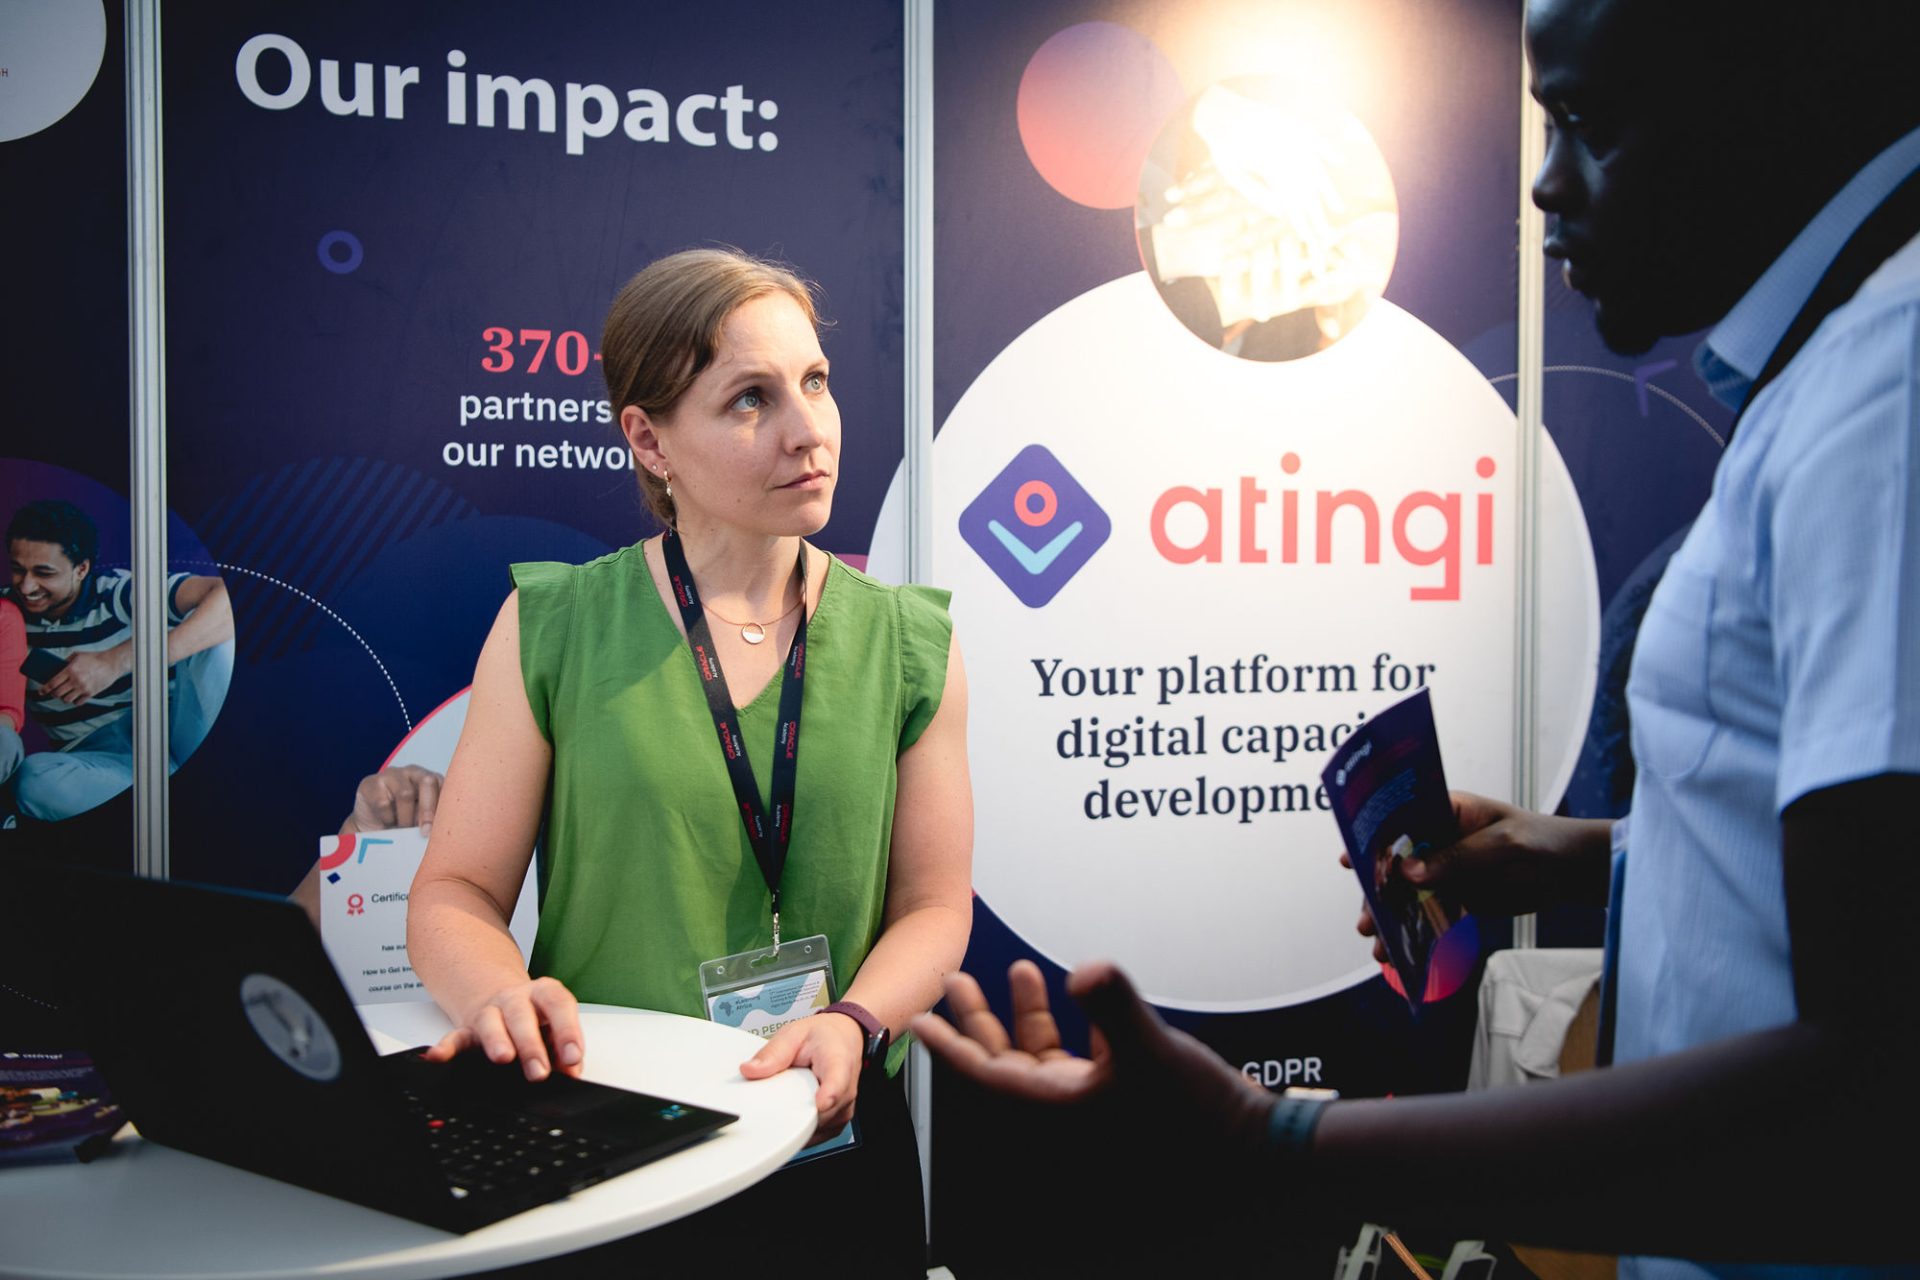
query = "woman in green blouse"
{"x": 589, "y": 708}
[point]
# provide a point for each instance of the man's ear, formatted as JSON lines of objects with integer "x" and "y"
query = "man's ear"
{"x": 82, "y": 569}
{"x": 643, "y": 437}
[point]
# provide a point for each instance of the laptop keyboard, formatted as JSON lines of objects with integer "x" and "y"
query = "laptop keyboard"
{"x": 482, "y": 1154}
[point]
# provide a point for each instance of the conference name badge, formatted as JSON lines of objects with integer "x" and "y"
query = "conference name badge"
{"x": 765, "y": 989}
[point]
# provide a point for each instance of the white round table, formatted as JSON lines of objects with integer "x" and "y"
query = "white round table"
{"x": 150, "y": 1211}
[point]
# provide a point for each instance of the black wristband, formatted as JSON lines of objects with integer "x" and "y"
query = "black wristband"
{"x": 1290, "y": 1125}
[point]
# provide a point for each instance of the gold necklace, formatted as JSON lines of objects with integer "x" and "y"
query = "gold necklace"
{"x": 754, "y": 632}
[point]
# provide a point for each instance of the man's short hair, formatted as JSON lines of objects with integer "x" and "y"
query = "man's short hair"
{"x": 57, "y": 521}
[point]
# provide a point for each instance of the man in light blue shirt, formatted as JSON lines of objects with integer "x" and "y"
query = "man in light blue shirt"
{"x": 1776, "y": 679}
{"x": 1751, "y": 167}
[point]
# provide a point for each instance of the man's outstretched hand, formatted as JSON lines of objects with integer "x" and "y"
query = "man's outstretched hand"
{"x": 1135, "y": 1056}
{"x": 1029, "y": 1064}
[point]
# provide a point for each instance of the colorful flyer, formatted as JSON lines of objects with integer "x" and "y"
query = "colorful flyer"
{"x": 53, "y": 1107}
{"x": 1389, "y": 795}
{"x": 364, "y": 881}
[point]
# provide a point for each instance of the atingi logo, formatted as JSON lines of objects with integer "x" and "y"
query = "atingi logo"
{"x": 1035, "y": 526}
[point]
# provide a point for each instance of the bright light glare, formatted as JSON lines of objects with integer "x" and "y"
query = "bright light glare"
{"x": 1290, "y": 209}
{"x": 1315, "y": 53}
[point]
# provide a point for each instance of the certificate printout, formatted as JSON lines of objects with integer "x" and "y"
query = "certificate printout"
{"x": 364, "y": 881}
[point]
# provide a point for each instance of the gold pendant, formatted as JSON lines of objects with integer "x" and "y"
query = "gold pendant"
{"x": 753, "y": 633}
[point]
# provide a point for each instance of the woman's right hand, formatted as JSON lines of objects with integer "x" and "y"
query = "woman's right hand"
{"x": 521, "y": 1022}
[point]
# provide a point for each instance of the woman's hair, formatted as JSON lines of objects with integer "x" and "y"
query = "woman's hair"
{"x": 664, "y": 330}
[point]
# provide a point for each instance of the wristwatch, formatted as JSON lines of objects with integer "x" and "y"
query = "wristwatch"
{"x": 875, "y": 1035}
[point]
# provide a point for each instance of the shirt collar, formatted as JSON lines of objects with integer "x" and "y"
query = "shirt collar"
{"x": 1738, "y": 348}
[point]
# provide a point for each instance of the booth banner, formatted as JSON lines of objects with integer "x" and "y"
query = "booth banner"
{"x": 392, "y": 236}
{"x": 1215, "y": 482}
{"x": 63, "y": 366}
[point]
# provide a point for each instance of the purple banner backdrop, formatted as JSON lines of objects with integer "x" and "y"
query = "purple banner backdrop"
{"x": 1045, "y": 115}
{"x": 63, "y": 387}
{"x": 64, "y": 364}
{"x": 392, "y": 237}
{"x": 1013, "y": 246}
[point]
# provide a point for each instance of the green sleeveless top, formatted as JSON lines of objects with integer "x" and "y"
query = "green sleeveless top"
{"x": 645, "y": 868}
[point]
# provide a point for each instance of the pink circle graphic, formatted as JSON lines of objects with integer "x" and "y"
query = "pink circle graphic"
{"x": 1092, "y": 100}
{"x": 1049, "y": 503}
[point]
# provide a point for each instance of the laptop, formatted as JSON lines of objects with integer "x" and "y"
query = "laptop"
{"x": 221, "y": 1028}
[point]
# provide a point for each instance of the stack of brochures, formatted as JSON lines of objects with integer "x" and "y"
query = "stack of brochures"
{"x": 53, "y": 1107}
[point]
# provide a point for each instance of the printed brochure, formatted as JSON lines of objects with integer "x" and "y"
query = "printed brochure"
{"x": 1389, "y": 795}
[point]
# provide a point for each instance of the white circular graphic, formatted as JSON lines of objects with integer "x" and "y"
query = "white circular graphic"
{"x": 292, "y": 1029}
{"x": 1288, "y": 548}
{"x": 430, "y": 743}
{"x": 50, "y": 52}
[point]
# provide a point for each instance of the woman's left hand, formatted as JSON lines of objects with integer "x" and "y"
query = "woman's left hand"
{"x": 830, "y": 1045}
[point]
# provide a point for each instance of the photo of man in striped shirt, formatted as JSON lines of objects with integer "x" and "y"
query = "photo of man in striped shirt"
{"x": 79, "y": 631}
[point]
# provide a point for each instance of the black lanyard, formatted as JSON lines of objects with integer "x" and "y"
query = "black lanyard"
{"x": 769, "y": 834}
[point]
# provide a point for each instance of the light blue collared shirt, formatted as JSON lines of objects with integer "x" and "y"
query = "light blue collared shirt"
{"x": 1780, "y": 654}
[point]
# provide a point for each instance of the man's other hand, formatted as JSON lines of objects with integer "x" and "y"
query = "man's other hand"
{"x": 1509, "y": 861}
{"x": 403, "y": 796}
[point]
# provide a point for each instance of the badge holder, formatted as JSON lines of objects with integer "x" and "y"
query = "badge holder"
{"x": 763, "y": 990}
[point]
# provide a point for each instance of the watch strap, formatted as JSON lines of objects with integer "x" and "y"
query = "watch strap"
{"x": 873, "y": 1033}
{"x": 1291, "y": 1122}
